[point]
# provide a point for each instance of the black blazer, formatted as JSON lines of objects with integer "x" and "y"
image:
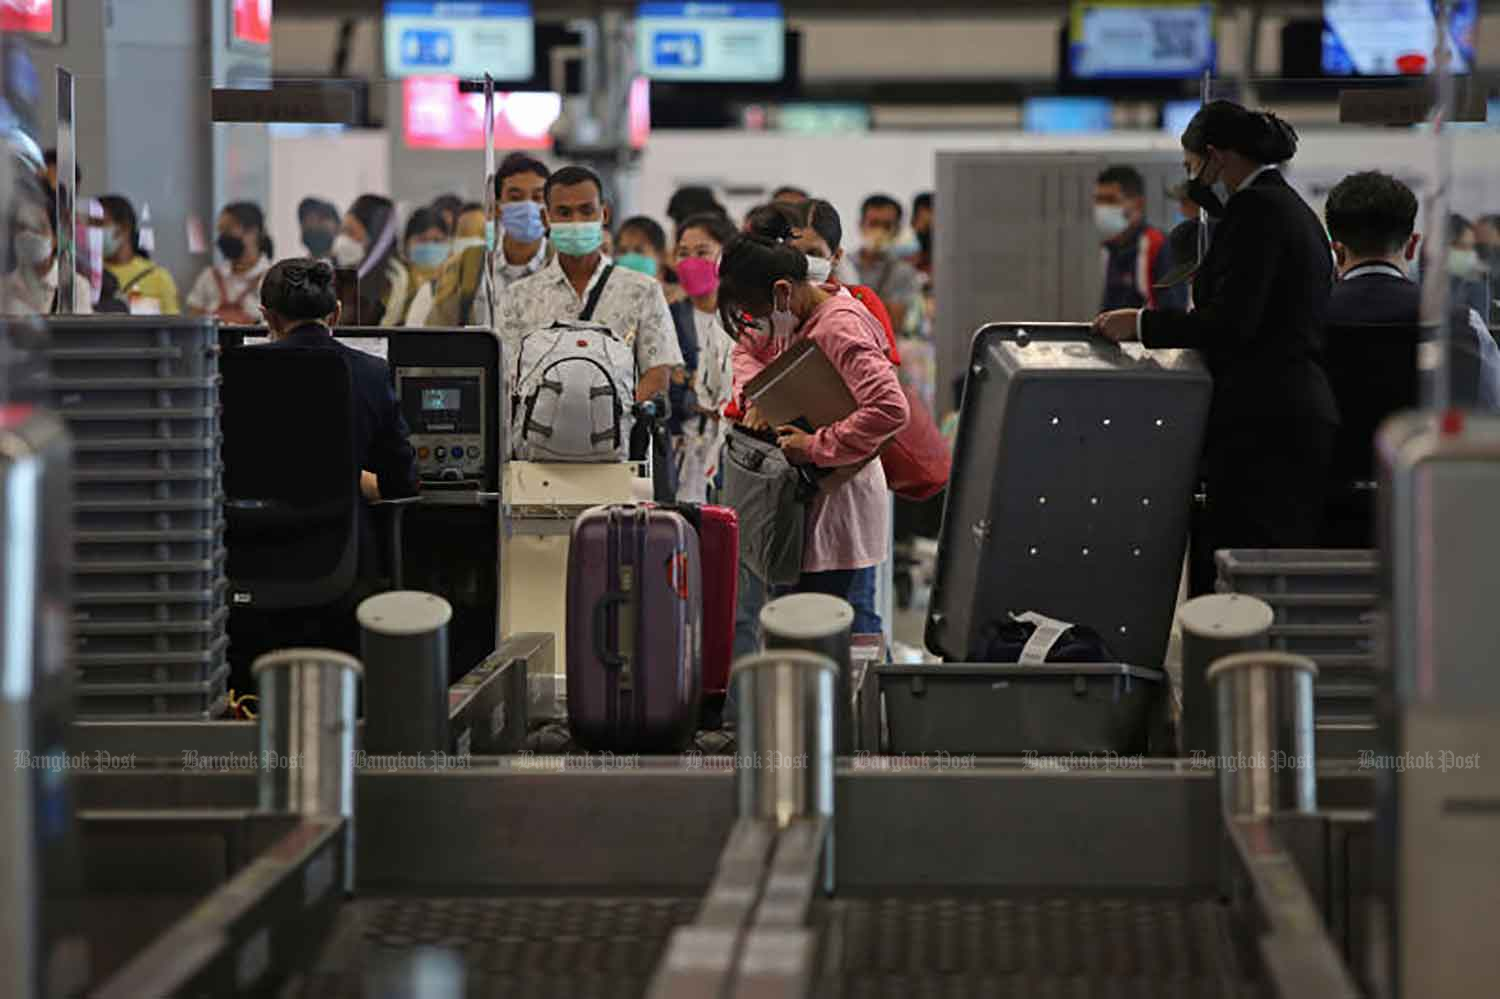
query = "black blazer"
{"x": 1261, "y": 295}
{"x": 380, "y": 433}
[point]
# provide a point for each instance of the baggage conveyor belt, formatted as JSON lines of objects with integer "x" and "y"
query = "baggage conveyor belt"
{"x": 521, "y": 946}
{"x": 876, "y": 947}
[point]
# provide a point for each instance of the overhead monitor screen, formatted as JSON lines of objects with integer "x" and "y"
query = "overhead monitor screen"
{"x": 436, "y": 116}
{"x": 34, "y": 17}
{"x": 1395, "y": 37}
{"x": 1169, "y": 39}
{"x": 1175, "y": 116}
{"x": 1067, "y": 114}
{"x": 711, "y": 42}
{"x": 424, "y": 37}
{"x": 252, "y": 21}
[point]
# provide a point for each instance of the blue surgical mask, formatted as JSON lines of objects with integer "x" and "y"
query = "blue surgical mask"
{"x": 577, "y": 239}
{"x": 428, "y": 255}
{"x": 522, "y": 221}
{"x": 111, "y": 241}
{"x": 637, "y": 262}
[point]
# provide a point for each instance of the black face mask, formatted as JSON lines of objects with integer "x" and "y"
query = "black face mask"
{"x": 317, "y": 241}
{"x": 924, "y": 240}
{"x": 1203, "y": 195}
{"x": 232, "y": 247}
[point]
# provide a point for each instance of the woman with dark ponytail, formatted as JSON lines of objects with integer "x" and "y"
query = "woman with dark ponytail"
{"x": 1260, "y": 297}
{"x": 767, "y": 303}
{"x": 230, "y": 289}
{"x": 300, "y": 303}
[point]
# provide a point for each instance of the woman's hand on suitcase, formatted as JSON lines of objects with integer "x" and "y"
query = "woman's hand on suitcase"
{"x": 1117, "y": 325}
{"x": 795, "y": 444}
{"x": 752, "y": 420}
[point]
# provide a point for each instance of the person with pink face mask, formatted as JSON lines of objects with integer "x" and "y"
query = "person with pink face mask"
{"x": 708, "y": 385}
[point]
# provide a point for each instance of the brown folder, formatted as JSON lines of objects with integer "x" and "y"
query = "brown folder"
{"x": 800, "y": 384}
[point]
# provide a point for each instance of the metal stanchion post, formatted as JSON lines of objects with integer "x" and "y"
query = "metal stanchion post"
{"x": 307, "y": 724}
{"x": 784, "y": 761}
{"x": 1213, "y": 627}
{"x": 404, "y": 644}
{"x": 1267, "y": 759}
{"x": 816, "y": 622}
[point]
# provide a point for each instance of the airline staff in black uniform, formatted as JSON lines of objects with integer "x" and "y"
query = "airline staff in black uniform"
{"x": 1261, "y": 295}
{"x": 301, "y": 307}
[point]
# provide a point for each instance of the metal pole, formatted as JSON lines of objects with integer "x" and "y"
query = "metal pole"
{"x": 1435, "y": 290}
{"x": 67, "y": 178}
{"x": 1213, "y": 627}
{"x": 308, "y": 700}
{"x": 403, "y": 640}
{"x": 784, "y": 761}
{"x": 816, "y": 622}
{"x": 492, "y": 226}
{"x": 1267, "y": 761}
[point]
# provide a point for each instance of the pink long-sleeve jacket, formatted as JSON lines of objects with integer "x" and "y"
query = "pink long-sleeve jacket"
{"x": 850, "y": 527}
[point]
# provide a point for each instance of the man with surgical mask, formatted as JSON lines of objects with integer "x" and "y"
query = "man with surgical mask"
{"x": 518, "y": 234}
{"x": 628, "y": 302}
{"x": 1135, "y": 253}
{"x": 894, "y": 280}
{"x": 1469, "y": 277}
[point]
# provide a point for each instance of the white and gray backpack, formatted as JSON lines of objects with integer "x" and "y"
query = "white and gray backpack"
{"x": 574, "y": 387}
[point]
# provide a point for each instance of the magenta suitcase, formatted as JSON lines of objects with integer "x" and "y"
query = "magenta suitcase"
{"x": 635, "y": 633}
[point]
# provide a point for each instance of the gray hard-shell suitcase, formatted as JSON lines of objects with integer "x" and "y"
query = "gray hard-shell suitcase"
{"x": 1073, "y": 479}
{"x": 635, "y": 630}
{"x": 1005, "y": 709}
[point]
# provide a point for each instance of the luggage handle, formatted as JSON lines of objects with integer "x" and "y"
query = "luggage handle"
{"x": 610, "y": 658}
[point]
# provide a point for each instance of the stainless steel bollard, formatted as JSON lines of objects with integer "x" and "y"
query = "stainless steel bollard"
{"x": 307, "y": 725}
{"x": 784, "y": 761}
{"x": 1268, "y": 762}
{"x": 816, "y": 622}
{"x": 403, "y": 640}
{"x": 1212, "y": 628}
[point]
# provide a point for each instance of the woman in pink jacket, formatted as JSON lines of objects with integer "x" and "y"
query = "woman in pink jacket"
{"x": 768, "y": 303}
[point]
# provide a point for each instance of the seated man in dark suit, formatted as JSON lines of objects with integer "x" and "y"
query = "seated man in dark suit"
{"x": 1372, "y": 218}
{"x": 301, "y": 307}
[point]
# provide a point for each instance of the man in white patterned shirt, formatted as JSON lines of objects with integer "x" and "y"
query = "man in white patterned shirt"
{"x": 631, "y": 304}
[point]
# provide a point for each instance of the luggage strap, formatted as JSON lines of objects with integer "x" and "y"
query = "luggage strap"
{"x": 1039, "y": 645}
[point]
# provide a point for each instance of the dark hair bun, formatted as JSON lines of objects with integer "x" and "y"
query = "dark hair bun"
{"x": 300, "y": 289}
{"x": 1279, "y": 140}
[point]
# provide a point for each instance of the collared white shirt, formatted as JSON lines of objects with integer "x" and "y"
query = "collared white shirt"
{"x": 243, "y": 288}
{"x": 1253, "y": 175}
{"x": 631, "y": 305}
{"x": 25, "y": 294}
{"x": 507, "y": 274}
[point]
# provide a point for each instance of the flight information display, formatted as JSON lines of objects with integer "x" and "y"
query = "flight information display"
{"x": 711, "y": 42}
{"x": 1054, "y": 115}
{"x": 1171, "y": 39}
{"x": 1395, "y": 37}
{"x": 467, "y": 39}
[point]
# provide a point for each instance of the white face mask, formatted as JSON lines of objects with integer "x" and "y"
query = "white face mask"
{"x": 1465, "y": 264}
{"x": 1110, "y": 220}
{"x": 347, "y": 251}
{"x": 819, "y": 269}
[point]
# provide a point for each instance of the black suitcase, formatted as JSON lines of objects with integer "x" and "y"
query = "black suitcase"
{"x": 1073, "y": 477}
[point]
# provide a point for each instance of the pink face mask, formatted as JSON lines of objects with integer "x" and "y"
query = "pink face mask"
{"x": 698, "y": 275}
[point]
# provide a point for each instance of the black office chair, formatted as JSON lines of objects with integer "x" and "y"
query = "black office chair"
{"x": 291, "y": 481}
{"x": 1372, "y": 368}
